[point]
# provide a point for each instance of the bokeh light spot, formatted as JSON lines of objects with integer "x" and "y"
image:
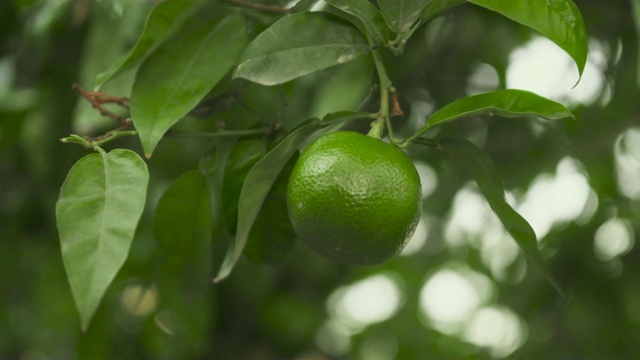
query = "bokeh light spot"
{"x": 627, "y": 158}
{"x": 418, "y": 239}
{"x": 544, "y": 68}
{"x": 453, "y": 294}
{"x": 498, "y": 329}
{"x": 484, "y": 78}
{"x": 368, "y": 301}
{"x": 140, "y": 300}
{"x": 613, "y": 238}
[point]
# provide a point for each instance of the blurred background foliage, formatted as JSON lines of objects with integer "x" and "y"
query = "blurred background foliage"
{"x": 460, "y": 290}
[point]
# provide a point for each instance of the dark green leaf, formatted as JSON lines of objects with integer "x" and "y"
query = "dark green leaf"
{"x": 504, "y": 103}
{"x": 636, "y": 20}
{"x": 182, "y": 227}
{"x": 272, "y": 235}
{"x": 97, "y": 212}
{"x": 485, "y": 173}
{"x": 181, "y": 72}
{"x": 297, "y": 45}
{"x": 255, "y": 189}
{"x": 244, "y": 156}
{"x": 558, "y": 20}
{"x": 371, "y": 21}
{"x": 434, "y": 7}
{"x": 401, "y": 14}
{"x": 163, "y": 20}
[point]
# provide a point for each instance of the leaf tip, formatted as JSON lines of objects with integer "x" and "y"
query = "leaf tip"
{"x": 147, "y": 155}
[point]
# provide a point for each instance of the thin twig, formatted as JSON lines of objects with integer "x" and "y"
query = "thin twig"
{"x": 97, "y": 99}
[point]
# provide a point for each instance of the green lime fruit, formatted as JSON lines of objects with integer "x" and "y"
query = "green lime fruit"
{"x": 354, "y": 198}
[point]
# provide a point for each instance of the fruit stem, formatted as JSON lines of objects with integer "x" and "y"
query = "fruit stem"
{"x": 385, "y": 86}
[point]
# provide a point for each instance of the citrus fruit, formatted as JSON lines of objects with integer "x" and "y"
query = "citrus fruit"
{"x": 354, "y": 198}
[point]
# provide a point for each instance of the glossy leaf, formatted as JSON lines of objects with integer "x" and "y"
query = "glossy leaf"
{"x": 558, "y": 20}
{"x": 503, "y": 103}
{"x": 485, "y": 173}
{"x": 401, "y": 14}
{"x": 297, "y": 45}
{"x": 371, "y": 20}
{"x": 182, "y": 228}
{"x": 181, "y": 72}
{"x": 97, "y": 212}
{"x": 163, "y": 20}
{"x": 255, "y": 189}
{"x": 435, "y": 7}
{"x": 272, "y": 234}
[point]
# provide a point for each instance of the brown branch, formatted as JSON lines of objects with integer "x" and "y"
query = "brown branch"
{"x": 260, "y": 7}
{"x": 396, "y": 110}
{"x": 97, "y": 99}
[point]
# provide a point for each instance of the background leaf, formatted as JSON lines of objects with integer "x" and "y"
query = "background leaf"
{"x": 182, "y": 228}
{"x": 558, "y": 20}
{"x": 163, "y": 20}
{"x": 272, "y": 235}
{"x": 401, "y": 14}
{"x": 485, "y": 173}
{"x": 245, "y": 154}
{"x": 371, "y": 20}
{"x": 504, "y": 103}
{"x": 255, "y": 189}
{"x": 297, "y": 45}
{"x": 434, "y": 7}
{"x": 181, "y": 72}
{"x": 97, "y": 212}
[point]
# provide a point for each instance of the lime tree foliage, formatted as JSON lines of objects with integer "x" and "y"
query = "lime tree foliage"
{"x": 213, "y": 80}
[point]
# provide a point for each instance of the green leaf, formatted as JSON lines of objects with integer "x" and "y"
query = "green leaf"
{"x": 297, "y": 45}
{"x": 272, "y": 234}
{"x": 255, "y": 189}
{"x": 434, "y": 7}
{"x": 485, "y": 173}
{"x": 97, "y": 212}
{"x": 371, "y": 21}
{"x": 503, "y": 103}
{"x": 401, "y": 14}
{"x": 635, "y": 6}
{"x": 181, "y": 72}
{"x": 182, "y": 227}
{"x": 558, "y": 20}
{"x": 163, "y": 20}
{"x": 244, "y": 156}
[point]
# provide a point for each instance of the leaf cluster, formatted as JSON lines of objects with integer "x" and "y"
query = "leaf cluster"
{"x": 195, "y": 59}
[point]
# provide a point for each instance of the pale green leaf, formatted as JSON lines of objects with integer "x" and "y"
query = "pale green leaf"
{"x": 97, "y": 212}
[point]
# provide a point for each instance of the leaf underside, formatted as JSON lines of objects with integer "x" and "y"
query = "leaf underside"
{"x": 97, "y": 212}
